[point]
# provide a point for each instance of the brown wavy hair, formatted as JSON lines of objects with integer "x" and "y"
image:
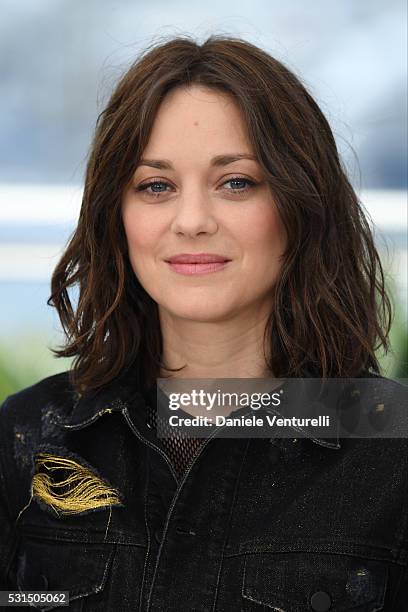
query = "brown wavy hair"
{"x": 331, "y": 311}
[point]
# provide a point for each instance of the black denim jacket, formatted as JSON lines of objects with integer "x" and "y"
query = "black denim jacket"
{"x": 289, "y": 524}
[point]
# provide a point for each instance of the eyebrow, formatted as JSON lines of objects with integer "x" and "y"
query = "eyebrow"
{"x": 218, "y": 160}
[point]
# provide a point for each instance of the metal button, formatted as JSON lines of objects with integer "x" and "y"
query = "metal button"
{"x": 320, "y": 601}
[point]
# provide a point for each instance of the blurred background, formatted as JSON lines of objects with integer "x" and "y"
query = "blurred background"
{"x": 59, "y": 62}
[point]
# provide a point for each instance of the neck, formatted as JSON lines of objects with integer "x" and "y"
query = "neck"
{"x": 225, "y": 349}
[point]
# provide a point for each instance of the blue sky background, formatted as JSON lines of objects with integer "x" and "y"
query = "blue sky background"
{"x": 60, "y": 59}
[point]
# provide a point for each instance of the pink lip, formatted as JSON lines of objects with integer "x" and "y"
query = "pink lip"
{"x": 197, "y": 258}
{"x": 197, "y": 263}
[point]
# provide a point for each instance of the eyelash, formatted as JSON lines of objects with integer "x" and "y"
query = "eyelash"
{"x": 156, "y": 194}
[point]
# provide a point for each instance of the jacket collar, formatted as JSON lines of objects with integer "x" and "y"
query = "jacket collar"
{"x": 116, "y": 396}
{"x": 120, "y": 395}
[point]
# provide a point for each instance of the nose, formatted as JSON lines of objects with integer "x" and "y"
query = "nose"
{"x": 194, "y": 213}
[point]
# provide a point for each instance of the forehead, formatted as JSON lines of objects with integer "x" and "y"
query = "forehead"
{"x": 197, "y": 116}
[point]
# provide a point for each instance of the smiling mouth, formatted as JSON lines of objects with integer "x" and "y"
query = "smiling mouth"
{"x": 197, "y": 263}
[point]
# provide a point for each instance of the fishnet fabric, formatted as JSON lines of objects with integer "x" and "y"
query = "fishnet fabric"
{"x": 180, "y": 449}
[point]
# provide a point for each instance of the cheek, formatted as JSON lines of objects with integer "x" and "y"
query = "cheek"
{"x": 141, "y": 234}
{"x": 264, "y": 233}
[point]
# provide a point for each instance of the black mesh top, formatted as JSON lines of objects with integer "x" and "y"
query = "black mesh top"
{"x": 180, "y": 448}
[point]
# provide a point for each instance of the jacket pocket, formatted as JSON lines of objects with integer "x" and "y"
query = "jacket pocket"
{"x": 80, "y": 569}
{"x": 315, "y": 582}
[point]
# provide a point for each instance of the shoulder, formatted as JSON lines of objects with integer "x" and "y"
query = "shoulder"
{"x": 29, "y": 418}
{"x": 383, "y": 405}
{"x": 378, "y": 385}
{"x": 380, "y": 413}
{"x": 27, "y": 406}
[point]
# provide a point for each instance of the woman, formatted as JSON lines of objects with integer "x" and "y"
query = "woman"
{"x": 219, "y": 237}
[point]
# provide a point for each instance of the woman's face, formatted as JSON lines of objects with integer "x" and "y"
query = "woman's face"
{"x": 191, "y": 195}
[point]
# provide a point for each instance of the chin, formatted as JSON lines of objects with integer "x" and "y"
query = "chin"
{"x": 199, "y": 313}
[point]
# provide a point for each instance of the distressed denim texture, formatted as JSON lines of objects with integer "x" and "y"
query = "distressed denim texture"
{"x": 289, "y": 525}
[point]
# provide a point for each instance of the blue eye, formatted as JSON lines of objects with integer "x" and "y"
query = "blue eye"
{"x": 151, "y": 185}
{"x": 240, "y": 180}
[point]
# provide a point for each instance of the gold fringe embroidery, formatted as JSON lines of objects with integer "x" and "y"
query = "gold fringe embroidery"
{"x": 85, "y": 490}
{"x": 26, "y": 506}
